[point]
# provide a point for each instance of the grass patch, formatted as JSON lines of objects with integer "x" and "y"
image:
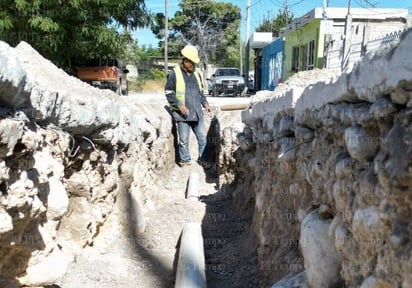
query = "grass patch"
{"x": 146, "y": 86}
{"x": 152, "y": 81}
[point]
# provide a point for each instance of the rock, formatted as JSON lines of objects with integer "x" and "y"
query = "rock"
{"x": 47, "y": 271}
{"x": 13, "y": 82}
{"x": 57, "y": 200}
{"x": 397, "y": 166}
{"x": 287, "y": 149}
{"x": 286, "y": 126}
{"x": 342, "y": 240}
{"x": 360, "y": 144}
{"x": 382, "y": 108}
{"x": 293, "y": 281}
{"x": 343, "y": 168}
{"x": 47, "y": 166}
{"x": 245, "y": 143}
{"x": 322, "y": 261}
{"x": 19, "y": 194}
{"x": 398, "y": 239}
{"x": 78, "y": 228}
{"x": 4, "y": 171}
{"x": 368, "y": 228}
{"x": 399, "y": 96}
{"x": 325, "y": 211}
{"x": 6, "y": 223}
{"x": 268, "y": 123}
{"x": 303, "y": 135}
{"x": 78, "y": 185}
{"x": 11, "y": 131}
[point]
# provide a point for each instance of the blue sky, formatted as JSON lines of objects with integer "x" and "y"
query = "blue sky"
{"x": 262, "y": 9}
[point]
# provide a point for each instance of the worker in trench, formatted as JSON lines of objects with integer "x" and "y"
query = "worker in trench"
{"x": 184, "y": 92}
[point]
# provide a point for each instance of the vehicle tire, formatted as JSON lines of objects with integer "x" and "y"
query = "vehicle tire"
{"x": 125, "y": 91}
{"x": 215, "y": 92}
{"x": 119, "y": 88}
{"x": 243, "y": 93}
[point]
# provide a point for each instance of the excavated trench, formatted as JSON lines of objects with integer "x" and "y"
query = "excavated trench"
{"x": 149, "y": 224}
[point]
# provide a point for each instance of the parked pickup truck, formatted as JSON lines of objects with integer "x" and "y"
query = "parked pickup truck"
{"x": 227, "y": 81}
{"x": 105, "y": 74}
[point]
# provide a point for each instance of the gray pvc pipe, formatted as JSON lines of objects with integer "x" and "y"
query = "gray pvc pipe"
{"x": 193, "y": 187}
{"x": 191, "y": 264}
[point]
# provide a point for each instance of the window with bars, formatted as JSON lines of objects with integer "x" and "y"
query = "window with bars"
{"x": 295, "y": 59}
{"x": 304, "y": 60}
{"x": 311, "y": 60}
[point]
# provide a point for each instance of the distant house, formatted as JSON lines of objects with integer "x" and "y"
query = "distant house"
{"x": 272, "y": 64}
{"x": 318, "y": 39}
{"x": 258, "y": 41}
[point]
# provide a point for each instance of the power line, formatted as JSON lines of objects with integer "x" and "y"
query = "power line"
{"x": 257, "y": 2}
{"x": 373, "y": 5}
{"x": 277, "y": 3}
{"x": 374, "y": 10}
{"x": 297, "y": 3}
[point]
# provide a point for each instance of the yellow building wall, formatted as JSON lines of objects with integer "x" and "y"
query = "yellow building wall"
{"x": 301, "y": 37}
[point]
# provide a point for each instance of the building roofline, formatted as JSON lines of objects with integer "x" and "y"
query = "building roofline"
{"x": 340, "y": 13}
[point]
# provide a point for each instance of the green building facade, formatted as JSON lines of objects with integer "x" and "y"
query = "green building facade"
{"x": 304, "y": 48}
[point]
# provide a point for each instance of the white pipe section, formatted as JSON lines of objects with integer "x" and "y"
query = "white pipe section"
{"x": 193, "y": 187}
{"x": 137, "y": 215}
{"x": 191, "y": 266}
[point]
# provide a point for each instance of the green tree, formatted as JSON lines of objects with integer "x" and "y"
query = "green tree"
{"x": 136, "y": 53}
{"x": 213, "y": 27}
{"x": 68, "y": 31}
{"x": 283, "y": 18}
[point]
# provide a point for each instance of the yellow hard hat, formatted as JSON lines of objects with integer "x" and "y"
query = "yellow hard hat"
{"x": 190, "y": 52}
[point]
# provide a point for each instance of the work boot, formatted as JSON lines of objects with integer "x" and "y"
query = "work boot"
{"x": 185, "y": 163}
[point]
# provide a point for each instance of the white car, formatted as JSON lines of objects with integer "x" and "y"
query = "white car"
{"x": 227, "y": 81}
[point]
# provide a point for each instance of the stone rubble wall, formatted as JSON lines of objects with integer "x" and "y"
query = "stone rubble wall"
{"x": 64, "y": 147}
{"x": 326, "y": 160}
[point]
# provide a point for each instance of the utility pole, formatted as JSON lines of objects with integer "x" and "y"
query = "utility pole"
{"x": 246, "y": 71}
{"x": 325, "y": 5}
{"x": 240, "y": 48}
{"x": 286, "y": 10}
{"x": 166, "y": 34}
{"x": 347, "y": 42}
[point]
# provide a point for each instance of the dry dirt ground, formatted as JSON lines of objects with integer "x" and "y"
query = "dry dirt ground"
{"x": 118, "y": 259}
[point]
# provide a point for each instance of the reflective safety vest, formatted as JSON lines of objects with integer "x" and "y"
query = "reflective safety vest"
{"x": 181, "y": 87}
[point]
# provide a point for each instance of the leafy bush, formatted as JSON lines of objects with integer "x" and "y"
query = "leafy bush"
{"x": 148, "y": 81}
{"x": 153, "y": 74}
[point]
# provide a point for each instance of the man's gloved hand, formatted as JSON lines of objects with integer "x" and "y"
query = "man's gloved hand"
{"x": 207, "y": 108}
{"x": 183, "y": 109}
